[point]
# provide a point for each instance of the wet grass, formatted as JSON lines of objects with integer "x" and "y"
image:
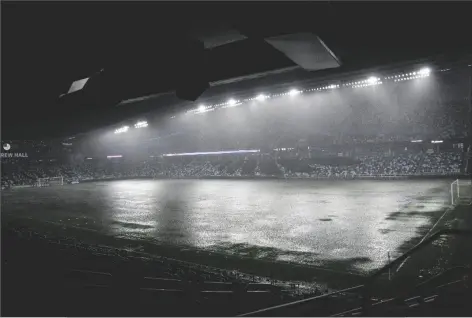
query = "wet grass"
{"x": 331, "y": 274}
{"x": 394, "y": 216}
{"x": 131, "y": 225}
{"x": 256, "y": 252}
{"x": 446, "y": 252}
{"x": 263, "y": 261}
{"x": 421, "y": 231}
{"x": 385, "y": 231}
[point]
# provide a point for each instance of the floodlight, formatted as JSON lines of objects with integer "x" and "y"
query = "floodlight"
{"x": 261, "y": 97}
{"x": 121, "y": 130}
{"x": 141, "y": 124}
{"x": 372, "y": 80}
{"x": 425, "y": 71}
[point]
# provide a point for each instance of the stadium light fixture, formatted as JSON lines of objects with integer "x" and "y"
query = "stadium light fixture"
{"x": 141, "y": 124}
{"x": 201, "y": 108}
{"x": 261, "y": 97}
{"x": 424, "y": 71}
{"x": 436, "y": 141}
{"x": 419, "y": 140}
{"x": 372, "y": 80}
{"x": 114, "y": 156}
{"x": 231, "y": 102}
{"x": 293, "y": 92}
{"x": 121, "y": 130}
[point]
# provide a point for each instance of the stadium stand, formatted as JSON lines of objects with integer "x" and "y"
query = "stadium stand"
{"x": 17, "y": 172}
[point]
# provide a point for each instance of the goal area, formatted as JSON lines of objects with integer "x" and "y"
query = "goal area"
{"x": 47, "y": 182}
{"x": 461, "y": 192}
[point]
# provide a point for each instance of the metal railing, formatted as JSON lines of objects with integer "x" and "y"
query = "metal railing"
{"x": 270, "y": 310}
{"x": 366, "y": 304}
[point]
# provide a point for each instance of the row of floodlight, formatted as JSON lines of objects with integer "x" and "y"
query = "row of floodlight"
{"x": 371, "y": 81}
{"x": 232, "y": 102}
{"x": 139, "y": 124}
{"x": 407, "y": 78}
{"x": 368, "y": 82}
{"x": 293, "y": 92}
{"x": 261, "y": 97}
{"x": 121, "y": 129}
{"x": 424, "y": 72}
{"x": 332, "y": 86}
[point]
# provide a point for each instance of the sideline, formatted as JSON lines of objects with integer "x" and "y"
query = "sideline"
{"x": 449, "y": 209}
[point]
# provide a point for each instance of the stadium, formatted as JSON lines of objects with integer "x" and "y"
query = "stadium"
{"x": 279, "y": 195}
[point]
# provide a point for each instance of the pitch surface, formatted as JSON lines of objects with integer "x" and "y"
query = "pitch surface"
{"x": 355, "y": 223}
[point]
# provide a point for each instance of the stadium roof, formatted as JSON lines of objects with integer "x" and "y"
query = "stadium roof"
{"x": 47, "y": 46}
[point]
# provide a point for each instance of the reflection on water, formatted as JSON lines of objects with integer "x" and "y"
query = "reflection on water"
{"x": 299, "y": 221}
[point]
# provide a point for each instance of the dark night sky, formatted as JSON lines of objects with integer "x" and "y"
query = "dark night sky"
{"x": 47, "y": 45}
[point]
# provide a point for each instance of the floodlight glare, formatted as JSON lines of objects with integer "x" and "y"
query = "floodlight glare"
{"x": 261, "y": 97}
{"x": 231, "y": 102}
{"x": 293, "y": 92}
{"x": 141, "y": 124}
{"x": 372, "y": 80}
{"x": 121, "y": 130}
{"x": 201, "y": 108}
{"x": 425, "y": 71}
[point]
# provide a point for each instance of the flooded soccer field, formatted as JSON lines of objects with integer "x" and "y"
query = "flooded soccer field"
{"x": 350, "y": 225}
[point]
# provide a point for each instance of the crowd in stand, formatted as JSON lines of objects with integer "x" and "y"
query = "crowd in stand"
{"x": 440, "y": 163}
{"x": 22, "y": 172}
